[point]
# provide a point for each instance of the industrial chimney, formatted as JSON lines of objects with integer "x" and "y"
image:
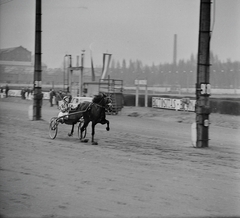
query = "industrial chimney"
{"x": 175, "y": 50}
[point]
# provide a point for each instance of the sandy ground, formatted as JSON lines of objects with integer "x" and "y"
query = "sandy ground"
{"x": 145, "y": 166}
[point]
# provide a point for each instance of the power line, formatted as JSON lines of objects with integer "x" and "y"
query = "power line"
{"x": 4, "y": 1}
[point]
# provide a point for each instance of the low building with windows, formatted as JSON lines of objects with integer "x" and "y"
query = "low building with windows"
{"x": 16, "y": 65}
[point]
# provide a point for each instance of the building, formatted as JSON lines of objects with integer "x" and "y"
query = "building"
{"x": 16, "y": 54}
{"x": 16, "y": 65}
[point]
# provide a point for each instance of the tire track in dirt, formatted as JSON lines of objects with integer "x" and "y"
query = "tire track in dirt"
{"x": 166, "y": 148}
{"x": 135, "y": 170}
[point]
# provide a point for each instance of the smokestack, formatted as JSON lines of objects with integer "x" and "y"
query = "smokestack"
{"x": 175, "y": 50}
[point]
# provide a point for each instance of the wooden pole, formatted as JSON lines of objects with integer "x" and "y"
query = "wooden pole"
{"x": 79, "y": 79}
{"x": 37, "y": 83}
{"x": 203, "y": 84}
{"x": 64, "y": 69}
{"x": 82, "y": 68}
{"x": 137, "y": 95}
{"x": 146, "y": 95}
{"x": 71, "y": 75}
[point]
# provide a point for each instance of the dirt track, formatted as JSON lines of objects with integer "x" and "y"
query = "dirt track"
{"x": 145, "y": 166}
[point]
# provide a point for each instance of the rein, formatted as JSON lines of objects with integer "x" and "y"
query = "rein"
{"x": 69, "y": 114}
{"x": 100, "y": 105}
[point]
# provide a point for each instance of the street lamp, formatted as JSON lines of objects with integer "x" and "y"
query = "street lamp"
{"x": 214, "y": 80}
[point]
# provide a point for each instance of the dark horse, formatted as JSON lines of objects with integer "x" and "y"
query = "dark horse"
{"x": 94, "y": 112}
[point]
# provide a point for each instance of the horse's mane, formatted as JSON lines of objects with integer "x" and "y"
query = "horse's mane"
{"x": 97, "y": 98}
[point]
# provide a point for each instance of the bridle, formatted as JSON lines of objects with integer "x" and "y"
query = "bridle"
{"x": 108, "y": 106}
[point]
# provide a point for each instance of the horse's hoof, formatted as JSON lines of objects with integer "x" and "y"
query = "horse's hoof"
{"x": 107, "y": 128}
{"x": 84, "y": 140}
{"x": 69, "y": 134}
{"x": 94, "y": 143}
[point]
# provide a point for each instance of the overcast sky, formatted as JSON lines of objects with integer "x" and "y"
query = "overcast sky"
{"x": 128, "y": 29}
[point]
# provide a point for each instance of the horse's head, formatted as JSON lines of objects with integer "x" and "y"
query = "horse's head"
{"x": 103, "y": 100}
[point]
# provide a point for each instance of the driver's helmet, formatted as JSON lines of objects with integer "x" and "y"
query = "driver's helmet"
{"x": 66, "y": 98}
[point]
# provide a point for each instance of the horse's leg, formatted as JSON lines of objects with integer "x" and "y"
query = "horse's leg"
{"x": 107, "y": 128}
{"x": 85, "y": 124}
{"x": 71, "y": 133}
{"x": 106, "y": 122}
{"x": 93, "y": 133}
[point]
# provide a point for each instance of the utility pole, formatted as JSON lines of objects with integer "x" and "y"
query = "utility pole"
{"x": 71, "y": 74}
{"x": 79, "y": 79}
{"x": 69, "y": 68}
{"x": 203, "y": 88}
{"x": 37, "y": 83}
{"x": 81, "y": 75}
{"x": 64, "y": 72}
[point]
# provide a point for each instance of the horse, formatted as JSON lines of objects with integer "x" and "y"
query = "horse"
{"x": 94, "y": 112}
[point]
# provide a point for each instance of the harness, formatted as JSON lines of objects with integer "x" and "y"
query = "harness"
{"x": 100, "y": 105}
{"x": 87, "y": 109}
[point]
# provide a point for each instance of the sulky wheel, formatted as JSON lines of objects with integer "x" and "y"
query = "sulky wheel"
{"x": 79, "y": 130}
{"x": 53, "y": 128}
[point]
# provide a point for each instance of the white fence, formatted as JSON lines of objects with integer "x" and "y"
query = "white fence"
{"x": 17, "y": 93}
{"x": 173, "y": 104}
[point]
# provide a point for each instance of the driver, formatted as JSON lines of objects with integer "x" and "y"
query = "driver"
{"x": 64, "y": 108}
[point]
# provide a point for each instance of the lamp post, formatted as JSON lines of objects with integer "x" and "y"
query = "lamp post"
{"x": 224, "y": 79}
{"x": 214, "y": 80}
{"x": 185, "y": 84}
